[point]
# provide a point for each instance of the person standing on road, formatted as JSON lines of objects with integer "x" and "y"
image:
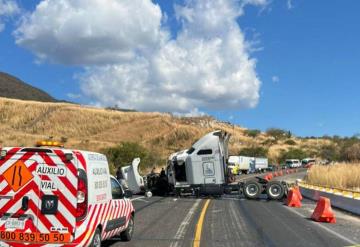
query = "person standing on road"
{"x": 162, "y": 173}
{"x": 153, "y": 171}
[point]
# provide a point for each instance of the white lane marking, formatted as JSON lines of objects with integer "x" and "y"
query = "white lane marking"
{"x": 324, "y": 227}
{"x": 233, "y": 199}
{"x": 141, "y": 198}
{"x": 180, "y": 234}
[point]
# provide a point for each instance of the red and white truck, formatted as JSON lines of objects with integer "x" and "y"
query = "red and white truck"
{"x": 63, "y": 197}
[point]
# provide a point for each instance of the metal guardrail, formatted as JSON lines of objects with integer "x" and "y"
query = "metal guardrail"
{"x": 337, "y": 191}
{"x": 347, "y": 200}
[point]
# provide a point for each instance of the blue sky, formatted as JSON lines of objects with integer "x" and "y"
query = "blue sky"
{"x": 306, "y": 59}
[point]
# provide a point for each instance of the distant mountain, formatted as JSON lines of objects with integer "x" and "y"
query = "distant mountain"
{"x": 12, "y": 87}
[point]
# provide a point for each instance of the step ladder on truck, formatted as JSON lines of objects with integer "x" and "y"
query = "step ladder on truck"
{"x": 202, "y": 170}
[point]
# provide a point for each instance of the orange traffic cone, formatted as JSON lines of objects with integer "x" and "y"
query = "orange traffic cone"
{"x": 268, "y": 177}
{"x": 297, "y": 190}
{"x": 293, "y": 199}
{"x": 323, "y": 211}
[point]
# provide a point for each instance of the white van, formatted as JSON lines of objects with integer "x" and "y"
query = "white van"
{"x": 293, "y": 163}
{"x": 51, "y": 195}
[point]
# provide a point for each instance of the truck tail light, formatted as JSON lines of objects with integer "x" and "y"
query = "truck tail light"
{"x": 81, "y": 196}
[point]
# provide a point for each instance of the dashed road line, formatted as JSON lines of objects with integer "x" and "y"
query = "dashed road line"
{"x": 184, "y": 224}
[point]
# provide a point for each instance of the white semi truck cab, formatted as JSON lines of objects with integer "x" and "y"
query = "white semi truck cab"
{"x": 202, "y": 168}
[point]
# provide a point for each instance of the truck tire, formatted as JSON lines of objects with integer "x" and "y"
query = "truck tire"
{"x": 275, "y": 190}
{"x": 227, "y": 190}
{"x": 252, "y": 189}
{"x": 96, "y": 241}
{"x": 128, "y": 233}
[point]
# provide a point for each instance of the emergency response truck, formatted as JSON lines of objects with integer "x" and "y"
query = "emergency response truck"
{"x": 52, "y": 195}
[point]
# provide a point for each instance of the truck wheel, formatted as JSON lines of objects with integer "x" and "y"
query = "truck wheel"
{"x": 275, "y": 190}
{"x": 128, "y": 233}
{"x": 252, "y": 189}
{"x": 96, "y": 241}
{"x": 227, "y": 190}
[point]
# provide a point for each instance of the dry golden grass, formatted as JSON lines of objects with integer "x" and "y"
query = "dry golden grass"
{"x": 22, "y": 123}
{"x": 342, "y": 176}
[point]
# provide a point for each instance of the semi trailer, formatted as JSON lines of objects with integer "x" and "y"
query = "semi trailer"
{"x": 245, "y": 164}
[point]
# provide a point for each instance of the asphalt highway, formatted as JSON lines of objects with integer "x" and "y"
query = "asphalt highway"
{"x": 234, "y": 221}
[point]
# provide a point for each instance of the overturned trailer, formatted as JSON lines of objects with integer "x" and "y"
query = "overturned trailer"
{"x": 133, "y": 179}
{"x": 202, "y": 170}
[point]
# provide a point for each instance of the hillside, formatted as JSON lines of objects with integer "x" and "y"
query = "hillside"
{"x": 12, "y": 87}
{"x": 22, "y": 123}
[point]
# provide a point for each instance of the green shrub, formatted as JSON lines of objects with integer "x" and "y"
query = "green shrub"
{"x": 351, "y": 153}
{"x": 254, "y": 151}
{"x": 252, "y": 132}
{"x": 124, "y": 153}
{"x": 330, "y": 152}
{"x": 290, "y": 142}
{"x": 278, "y": 133}
{"x": 269, "y": 142}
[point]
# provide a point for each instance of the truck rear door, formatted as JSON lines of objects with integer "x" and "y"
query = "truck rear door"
{"x": 58, "y": 201}
{"x": 38, "y": 197}
{"x": 19, "y": 198}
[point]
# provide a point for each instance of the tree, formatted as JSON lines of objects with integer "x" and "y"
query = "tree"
{"x": 352, "y": 153}
{"x": 330, "y": 152}
{"x": 254, "y": 151}
{"x": 252, "y": 132}
{"x": 125, "y": 152}
{"x": 278, "y": 133}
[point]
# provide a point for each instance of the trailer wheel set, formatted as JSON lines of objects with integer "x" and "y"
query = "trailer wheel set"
{"x": 252, "y": 189}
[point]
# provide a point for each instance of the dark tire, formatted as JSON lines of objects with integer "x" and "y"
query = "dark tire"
{"x": 128, "y": 233}
{"x": 275, "y": 190}
{"x": 96, "y": 241}
{"x": 252, "y": 189}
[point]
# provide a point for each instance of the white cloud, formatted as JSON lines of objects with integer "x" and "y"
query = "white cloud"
{"x": 90, "y": 32}
{"x": 275, "y": 78}
{"x": 134, "y": 64}
{"x": 289, "y": 4}
{"x": 73, "y": 96}
{"x": 8, "y": 8}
